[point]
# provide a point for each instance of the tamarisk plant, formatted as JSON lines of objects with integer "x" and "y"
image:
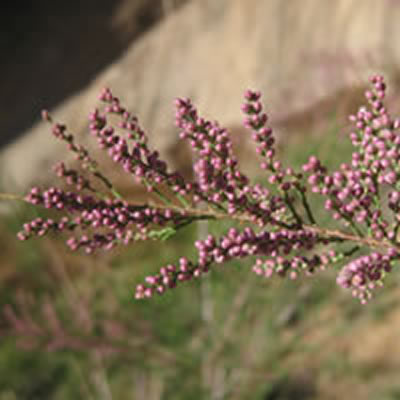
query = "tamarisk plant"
{"x": 278, "y": 229}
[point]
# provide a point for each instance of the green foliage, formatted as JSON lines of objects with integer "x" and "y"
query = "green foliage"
{"x": 232, "y": 332}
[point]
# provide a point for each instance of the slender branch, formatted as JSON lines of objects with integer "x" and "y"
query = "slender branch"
{"x": 204, "y": 214}
{"x": 307, "y": 207}
{"x": 11, "y": 197}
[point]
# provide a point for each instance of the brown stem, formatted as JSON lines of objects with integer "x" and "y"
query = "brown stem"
{"x": 10, "y": 196}
{"x": 212, "y": 214}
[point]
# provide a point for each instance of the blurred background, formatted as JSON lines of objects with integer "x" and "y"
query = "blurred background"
{"x": 69, "y": 326}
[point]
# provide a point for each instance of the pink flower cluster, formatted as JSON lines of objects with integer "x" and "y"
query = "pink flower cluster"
{"x": 365, "y": 273}
{"x": 281, "y": 234}
{"x": 111, "y": 219}
{"x": 237, "y": 244}
{"x": 353, "y": 194}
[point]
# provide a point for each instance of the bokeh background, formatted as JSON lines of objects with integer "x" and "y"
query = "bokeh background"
{"x": 69, "y": 326}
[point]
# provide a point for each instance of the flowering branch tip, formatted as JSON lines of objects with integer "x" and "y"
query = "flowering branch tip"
{"x": 283, "y": 236}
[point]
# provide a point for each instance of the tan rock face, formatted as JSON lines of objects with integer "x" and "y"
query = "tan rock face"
{"x": 52, "y": 50}
{"x": 296, "y": 52}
